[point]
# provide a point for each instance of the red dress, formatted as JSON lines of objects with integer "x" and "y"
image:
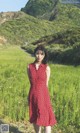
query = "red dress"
{"x": 40, "y": 108}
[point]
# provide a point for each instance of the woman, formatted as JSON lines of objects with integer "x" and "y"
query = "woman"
{"x": 40, "y": 108}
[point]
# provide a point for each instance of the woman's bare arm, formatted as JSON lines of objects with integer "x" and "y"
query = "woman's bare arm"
{"x": 48, "y": 74}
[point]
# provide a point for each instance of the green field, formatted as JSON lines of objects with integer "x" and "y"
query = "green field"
{"x": 64, "y": 89}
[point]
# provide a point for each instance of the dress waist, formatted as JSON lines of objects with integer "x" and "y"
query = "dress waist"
{"x": 35, "y": 86}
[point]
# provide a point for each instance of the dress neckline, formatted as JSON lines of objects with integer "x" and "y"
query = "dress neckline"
{"x": 38, "y": 67}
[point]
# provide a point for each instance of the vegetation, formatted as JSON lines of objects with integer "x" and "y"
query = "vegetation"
{"x": 51, "y": 9}
{"x": 60, "y": 32}
{"x": 38, "y": 7}
{"x": 13, "y": 83}
{"x": 63, "y": 47}
{"x": 64, "y": 89}
{"x": 70, "y": 1}
{"x": 28, "y": 29}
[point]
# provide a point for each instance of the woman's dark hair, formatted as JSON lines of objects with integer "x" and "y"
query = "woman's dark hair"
{"x": 42, "y": 48}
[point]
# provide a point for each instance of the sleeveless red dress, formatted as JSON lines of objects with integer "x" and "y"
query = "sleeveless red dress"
{"x": 40, "y": 109}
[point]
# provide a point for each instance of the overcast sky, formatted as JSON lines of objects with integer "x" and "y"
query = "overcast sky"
{"x": 12, "y": 5}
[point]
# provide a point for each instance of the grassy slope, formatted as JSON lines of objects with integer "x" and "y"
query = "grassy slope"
{"x": 13, "y": 81}
{"x": 63, "y": 47}
{"x": 28, "y": 29}
{"x": 63, "y": 32}
{"x": 14, "y": 86}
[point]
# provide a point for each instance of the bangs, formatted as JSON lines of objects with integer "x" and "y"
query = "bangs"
{"x": 41, "y": 48}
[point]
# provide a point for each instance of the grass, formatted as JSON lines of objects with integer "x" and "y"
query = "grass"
{"x": 13, "y": 86}
{"x": 64, "y": 89}
{"x": 27, "y": 29}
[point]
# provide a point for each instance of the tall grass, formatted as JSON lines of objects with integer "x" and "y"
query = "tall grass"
{"x": 14, "y": 84}
{"x": 64, "y": 86}
{"x": 64, "y": 90}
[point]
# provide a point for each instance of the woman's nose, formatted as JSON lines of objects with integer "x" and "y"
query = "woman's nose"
{"x": 39, "y": 55}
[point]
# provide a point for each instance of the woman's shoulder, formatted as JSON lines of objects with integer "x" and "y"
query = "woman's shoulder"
{"x": 47, "y": 67}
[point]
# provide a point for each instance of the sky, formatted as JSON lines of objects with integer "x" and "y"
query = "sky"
{"x": 12, "y": 5}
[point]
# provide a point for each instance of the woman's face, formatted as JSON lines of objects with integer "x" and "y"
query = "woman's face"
{"x": 39, "y": 55}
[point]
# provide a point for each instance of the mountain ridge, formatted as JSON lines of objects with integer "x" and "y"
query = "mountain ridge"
{"x": 45, "y": 9}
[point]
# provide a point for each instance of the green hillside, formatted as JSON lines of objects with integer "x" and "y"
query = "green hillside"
{"x": 38, "y": 7}
{"x": 20, "y": 28}
{"x": 61, "y": 32}
{"x": 63, "y": 47}
{"x": 27, "y": 28}
{"x": 64, "y": 89}
{"x": 51, "y": 9}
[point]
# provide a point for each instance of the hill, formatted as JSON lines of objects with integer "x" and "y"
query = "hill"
{"x": 63, "y": 47}
{"x": 49, "y": 9}
{"x": 26, "y": 29}
{"x": 39, "y": 7}
{"x": 22, "y": 28}
{"x": 62, "y": 24}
